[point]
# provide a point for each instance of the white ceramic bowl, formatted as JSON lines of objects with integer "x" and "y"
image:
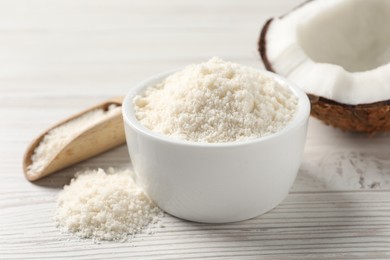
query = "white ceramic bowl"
{"x": 216, "y": 183}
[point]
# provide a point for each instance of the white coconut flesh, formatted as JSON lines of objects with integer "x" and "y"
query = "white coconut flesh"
{"x": 339, "y": 50}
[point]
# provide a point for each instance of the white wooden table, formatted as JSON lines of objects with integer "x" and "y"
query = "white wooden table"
{"x": 57, "y": 57}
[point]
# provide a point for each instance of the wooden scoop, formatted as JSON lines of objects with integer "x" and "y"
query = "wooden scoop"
{"x": 102, "y": 136}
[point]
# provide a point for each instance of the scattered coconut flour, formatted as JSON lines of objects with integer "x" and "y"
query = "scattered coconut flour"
{"x": 105, "y": 205}
{"x": 215, "y": 102}
{"x": 58, "y": 137}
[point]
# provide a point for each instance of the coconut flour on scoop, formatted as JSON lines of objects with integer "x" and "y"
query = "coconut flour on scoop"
{"x": 216, "y": 102}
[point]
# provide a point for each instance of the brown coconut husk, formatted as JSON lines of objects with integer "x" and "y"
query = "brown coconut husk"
{"x": 368, "y": 118}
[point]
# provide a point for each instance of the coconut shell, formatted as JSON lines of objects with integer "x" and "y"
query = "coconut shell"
{"x": 368, "y": 118}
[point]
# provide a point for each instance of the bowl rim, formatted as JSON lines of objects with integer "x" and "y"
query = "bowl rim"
{"x": 301, "y": 115}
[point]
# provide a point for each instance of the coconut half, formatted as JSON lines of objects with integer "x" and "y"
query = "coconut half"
{"x": 338, "y": 52}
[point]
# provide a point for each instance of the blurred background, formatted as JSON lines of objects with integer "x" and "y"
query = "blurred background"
{"x": 100, "y": 47}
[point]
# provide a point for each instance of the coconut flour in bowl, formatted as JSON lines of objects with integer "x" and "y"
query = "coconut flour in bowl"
{"x": 196, "y": 135}
{"x": 216, "y": 102}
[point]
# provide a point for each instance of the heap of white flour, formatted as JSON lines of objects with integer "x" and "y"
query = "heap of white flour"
{"x": 104, "y": 206}
{"x": 216, "y": 102}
